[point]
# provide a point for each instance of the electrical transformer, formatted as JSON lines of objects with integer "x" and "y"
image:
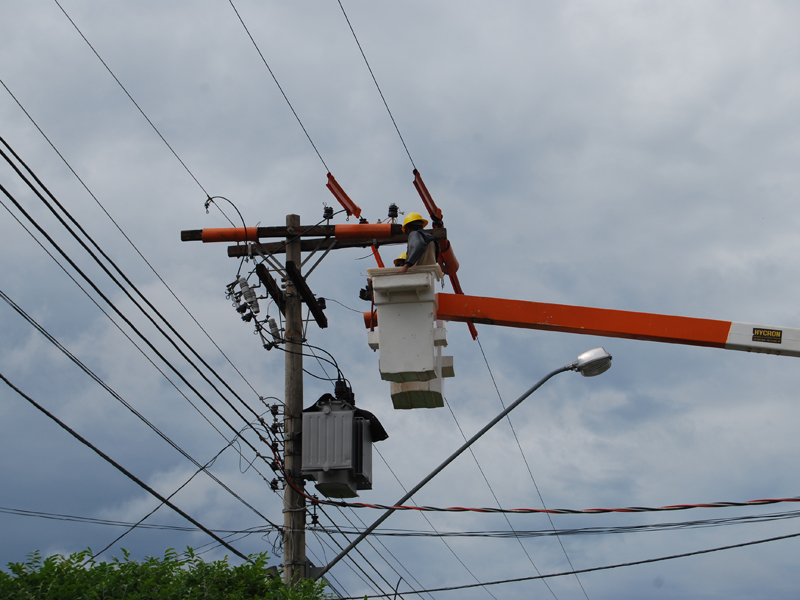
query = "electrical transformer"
{"x": 337, "y": 444}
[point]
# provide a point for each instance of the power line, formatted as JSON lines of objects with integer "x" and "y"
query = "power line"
{"x": 579, "y": 531}
{"x": 358, "y": 551}
{"x": 323, "y": 543}
{"x": 103, "y": 267}
{"x": 519, "y": 541}
{"x": 355, "y": 514}
{"x": 127, "y": 405}
{"x": 163, "y": 139}
{"x": 391, "y": 116}
{"x": 371, "y": 545}
{"x": 501, "y": 534}
{"x": 603, "y": 568}
{"x": 527, "y": 465}
{"x": 566, "y": 511}
{"x": 103, "y": 208}
{"x": 275, "y": 79}
{"x": 119, "y": 328}
{"x": 359, "y": 567}
{"x": 152, "y": 512}
{"x": 122, "y": 470}
{"x": 127, "y": 321}
{"x": 424, "y": 516}
{"x": 329, "y": 576}
{"x": 122, "y": 274}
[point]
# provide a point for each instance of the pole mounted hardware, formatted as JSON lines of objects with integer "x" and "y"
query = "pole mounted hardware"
{"x": 305, "y": 293}
{"x": 273, "y": 289}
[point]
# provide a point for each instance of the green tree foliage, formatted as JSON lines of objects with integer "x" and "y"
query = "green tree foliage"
{"x": 172, "y": 577}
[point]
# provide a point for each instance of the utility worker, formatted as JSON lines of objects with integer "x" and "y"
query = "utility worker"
{"x": 422, "y": 246}
{"x": 400, "y": 260}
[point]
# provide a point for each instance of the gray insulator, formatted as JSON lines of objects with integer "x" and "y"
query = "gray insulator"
{"x": 273, "y": 328}
{"x": 249, "y": 296}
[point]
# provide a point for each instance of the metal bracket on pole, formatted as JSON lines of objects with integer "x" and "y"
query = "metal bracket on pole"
{"x": 272, "y": 287}
{"x": 314, "y": 572}
{"x": 314, "y": 251}
{"x": 324, "y": 254}
{"x": 305, "y": 293}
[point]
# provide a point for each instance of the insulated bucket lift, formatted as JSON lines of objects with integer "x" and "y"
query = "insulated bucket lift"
{"x": 409, "y": 337}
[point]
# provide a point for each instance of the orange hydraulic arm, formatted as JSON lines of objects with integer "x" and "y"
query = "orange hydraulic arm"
{"x": 447, "y": 258}
{"x": 621, "y": 324}
{"x": 351, "y": 208}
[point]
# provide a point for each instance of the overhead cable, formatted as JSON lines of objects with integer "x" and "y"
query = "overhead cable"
{"x": 391, "y": 116}
{"x": 275, "y": 79}
{"x": 489, "y": 485}
{"x": 399, "y": 562}
{"x": 117, "y": 325}
{"x": 170, "y": 497}
{"x": 163, "y": 139}
{"x": 122, "y": 274}
{"x": 359, "y": 567}
{"x": 329, "y": 577}
{"x": 527, "y": 465}
{"x": 378, "y": 552}
{"x": 126, "y": 404}
{"x": 125, "y": 235}
{"x": 127, "y": 321}
{"x": 323, "y": 544}
{"x": 567, "y": 511}
{"x": 409, "y": 533}
{"x": 603, "y": 568}
{"x": 122, "y": 469}
{"x": 428, "y": 521}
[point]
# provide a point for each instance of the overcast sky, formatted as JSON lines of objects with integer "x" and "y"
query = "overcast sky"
{"x": 630, "y": 155}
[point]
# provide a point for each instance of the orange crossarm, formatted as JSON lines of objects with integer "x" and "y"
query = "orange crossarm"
{"x": 362, "y": 231}
{"x": 229, "y": 234}
{"x": 588, "y": 321}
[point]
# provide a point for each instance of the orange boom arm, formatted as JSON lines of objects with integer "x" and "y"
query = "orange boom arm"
{"x": 604, "y": 322}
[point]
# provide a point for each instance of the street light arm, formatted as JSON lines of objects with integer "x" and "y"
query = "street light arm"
{"x": 437, "y": 470}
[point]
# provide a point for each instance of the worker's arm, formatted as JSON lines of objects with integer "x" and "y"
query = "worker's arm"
{"x": 417, "y": 244}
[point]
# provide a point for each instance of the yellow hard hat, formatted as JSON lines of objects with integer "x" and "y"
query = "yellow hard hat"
{"x": 411, "y": 217}
{"x": 398, "y": 262}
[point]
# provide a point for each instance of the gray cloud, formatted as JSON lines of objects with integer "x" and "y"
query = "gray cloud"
{"x": 621, "y": 155}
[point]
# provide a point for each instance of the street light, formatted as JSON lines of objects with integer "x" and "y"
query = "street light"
{"x": 593, "y": 362}
{"x": 589, "y": 364}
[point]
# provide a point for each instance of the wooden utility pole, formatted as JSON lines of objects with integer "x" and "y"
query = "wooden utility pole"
{"x": 298, "y": 239}
{"x": 294, "y": 504}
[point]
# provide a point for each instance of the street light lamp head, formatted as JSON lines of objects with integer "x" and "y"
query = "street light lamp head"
{"x": 593, "y": 362}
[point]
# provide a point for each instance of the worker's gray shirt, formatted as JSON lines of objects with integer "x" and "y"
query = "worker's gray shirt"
{"x": 422, "y": 248}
